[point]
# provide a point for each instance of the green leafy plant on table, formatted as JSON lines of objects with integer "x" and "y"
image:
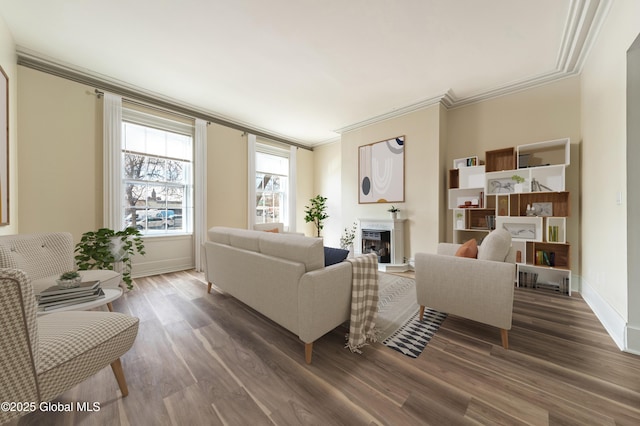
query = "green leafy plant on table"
{"x": 316, "y": 212}
{"x": 105, "y": 247}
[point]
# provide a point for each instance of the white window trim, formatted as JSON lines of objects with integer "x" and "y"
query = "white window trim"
{"x": 112, "y": 163}
{"x": 252, "y": 148}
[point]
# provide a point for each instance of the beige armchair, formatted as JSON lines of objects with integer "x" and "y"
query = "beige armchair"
{"x": 42, "y": 357}
{"x": 477, "y": 289}
{"x": 44, "y": 256}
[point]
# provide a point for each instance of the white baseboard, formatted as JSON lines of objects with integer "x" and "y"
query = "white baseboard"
{"x": 633, "y": 340}
{"x": 145, "y": 269}
{"x": 611, "y": 320}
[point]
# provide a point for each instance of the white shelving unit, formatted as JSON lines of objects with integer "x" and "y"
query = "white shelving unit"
{"x": 540, "y": 241}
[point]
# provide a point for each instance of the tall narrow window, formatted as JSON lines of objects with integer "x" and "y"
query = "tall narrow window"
{"x": 157, "y": 156}
{"x": 272, "y": 185}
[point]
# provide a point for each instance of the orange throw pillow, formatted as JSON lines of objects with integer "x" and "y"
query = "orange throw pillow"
{"x": 276, "y": 231}
{"x": 468, "y": 249}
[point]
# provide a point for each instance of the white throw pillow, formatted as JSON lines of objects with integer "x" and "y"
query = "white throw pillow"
{"x": 495, "y": 246}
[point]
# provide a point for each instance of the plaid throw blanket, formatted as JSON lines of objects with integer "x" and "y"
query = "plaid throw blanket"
{"x": 364, "y": 301}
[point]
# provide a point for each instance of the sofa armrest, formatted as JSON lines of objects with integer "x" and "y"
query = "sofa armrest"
{"x": 324, "y": 300}
{"x": 479, "y": 290}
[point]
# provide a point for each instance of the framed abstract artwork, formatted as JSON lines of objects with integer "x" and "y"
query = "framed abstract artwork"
{"x": 381, "y": 171}
{"x": 4, "y": 148}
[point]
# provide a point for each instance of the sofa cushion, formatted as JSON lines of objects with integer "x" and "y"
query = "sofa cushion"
{"x": 495, "y": 246}
{"x": 308, "y": 251}
{"x": 468, "y": 249}
{"x": 245, "y": 239}
{"x": 76, "y": 344}
{"x": 39, "y": 255}
{"x": 334, "y": 255}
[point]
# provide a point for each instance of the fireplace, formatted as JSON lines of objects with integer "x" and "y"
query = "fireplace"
{"x": 385, "y": 237}
{"x": 378, "y": 242}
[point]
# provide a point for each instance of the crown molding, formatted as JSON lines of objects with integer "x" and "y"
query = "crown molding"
{"x": 36, "y": 61}
{"x": 584, "y": 20}
{"x": 425, "y": 103}
{"x": 581, "y": 29}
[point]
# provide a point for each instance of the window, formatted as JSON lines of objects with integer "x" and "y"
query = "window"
{"x": 272, "y": 185}
{"x": 157, "y": 157}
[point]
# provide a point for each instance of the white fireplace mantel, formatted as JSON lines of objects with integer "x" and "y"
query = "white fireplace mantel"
{"x": 396, "y": 227}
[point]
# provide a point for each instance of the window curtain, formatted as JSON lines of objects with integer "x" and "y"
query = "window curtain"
{"x": 200, "y": 190}
{"x": 293, "y": 178}
{"x": 251, "y": 167}
{"x": 112, "y": 161}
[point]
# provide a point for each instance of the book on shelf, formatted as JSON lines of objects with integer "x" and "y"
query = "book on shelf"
{"x": 56, "y": 289}
{"x": 72, "y": 300}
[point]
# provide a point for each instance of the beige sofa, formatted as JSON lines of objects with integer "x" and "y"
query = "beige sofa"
{"x": 283, "y": 277}
{"x": 478, "y": 289}
{"x": 44, "y": 256}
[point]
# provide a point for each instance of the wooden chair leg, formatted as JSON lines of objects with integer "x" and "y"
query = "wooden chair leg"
{"x": 110, "y": 307}
{"x": 505, "y": 338}
{"x": 116, "y": 366}
{"x": 209, "y": 288}
{"x": 308, "y": 351}
{"x": 421, "y": 312}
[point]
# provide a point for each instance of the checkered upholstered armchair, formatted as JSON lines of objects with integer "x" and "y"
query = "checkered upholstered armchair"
{"x": 45, "y": 256}
{"x": 42, "y": 357}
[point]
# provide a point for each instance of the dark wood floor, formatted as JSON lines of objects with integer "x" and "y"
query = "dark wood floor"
{"x": 207, "y": 359}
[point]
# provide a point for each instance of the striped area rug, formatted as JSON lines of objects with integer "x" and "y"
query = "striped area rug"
{"x": 397, "y": 321}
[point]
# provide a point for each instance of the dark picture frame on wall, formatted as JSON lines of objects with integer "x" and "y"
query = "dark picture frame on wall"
{"x": 4, "y": 147}
{"x": 381, "y": 171}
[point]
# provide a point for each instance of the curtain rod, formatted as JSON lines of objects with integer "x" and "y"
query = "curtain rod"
{"x": 163, "y": 106}
{"x": 100, "y": 93}
{"x": 32, "y": 61}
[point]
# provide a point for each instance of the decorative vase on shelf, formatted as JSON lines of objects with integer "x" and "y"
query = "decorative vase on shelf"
{"x": 394, "y": 215}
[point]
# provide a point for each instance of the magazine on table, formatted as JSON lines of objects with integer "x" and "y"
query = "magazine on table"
{"x": 56, "y": 289}
{"x": 97, "y": 294}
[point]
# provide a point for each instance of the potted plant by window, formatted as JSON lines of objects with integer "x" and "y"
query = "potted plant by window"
{"x": 105, "y": 247}
{"x": 316, "y": 212}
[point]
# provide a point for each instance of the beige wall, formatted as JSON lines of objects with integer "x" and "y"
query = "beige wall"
{"x": 604, "y": 221}
{"x": 8, "y": 62}
{"x": 60, "y": 170}
{"x": 328, "y": 183}
{"x": 305, "y": 188}
{"x": 60, "y": 158}
{"x": 423, "y": 177}
{"x": 226, "y": 177}
{"x": 547, "y": 112}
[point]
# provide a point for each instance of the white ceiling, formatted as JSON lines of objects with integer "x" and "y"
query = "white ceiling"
{"x": 304, "y": 69}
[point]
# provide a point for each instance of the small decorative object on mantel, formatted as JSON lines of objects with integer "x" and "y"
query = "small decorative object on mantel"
{"x": 69, "y": 279}
{"x": 394, "y": 212}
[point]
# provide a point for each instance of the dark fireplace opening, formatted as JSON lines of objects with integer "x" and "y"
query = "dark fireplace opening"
{"x": 378, "y": 242}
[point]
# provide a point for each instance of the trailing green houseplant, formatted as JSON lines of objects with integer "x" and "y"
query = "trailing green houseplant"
{"x": 316, "y": 212}
{"x": 105, "y": 247}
